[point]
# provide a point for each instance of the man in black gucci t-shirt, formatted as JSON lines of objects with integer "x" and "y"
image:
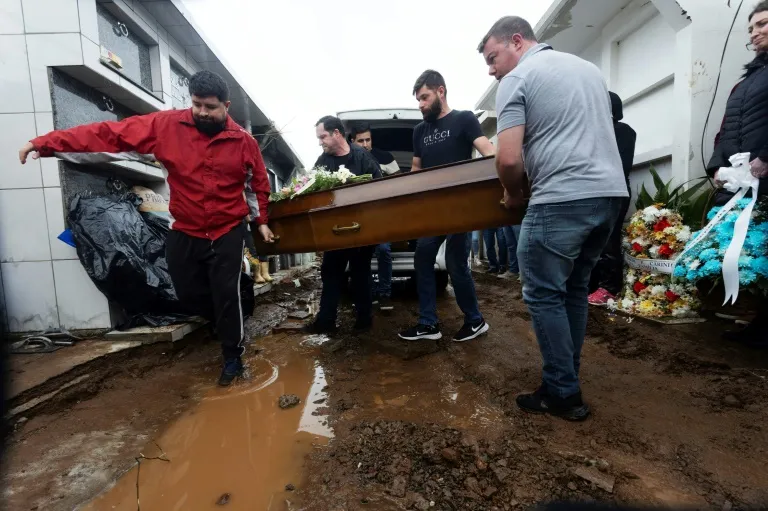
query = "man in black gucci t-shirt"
{"x": 446, "y": 136}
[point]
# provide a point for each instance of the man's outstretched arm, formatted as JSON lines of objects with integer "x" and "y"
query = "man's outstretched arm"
{"x": 135, "y": 134}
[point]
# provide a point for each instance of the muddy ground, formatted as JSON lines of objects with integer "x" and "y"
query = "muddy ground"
{"x": 679, "y": 416}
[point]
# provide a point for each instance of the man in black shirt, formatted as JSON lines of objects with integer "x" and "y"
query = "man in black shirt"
{"x": 336, "y": 153}
{"x": 360, "y": 135}
{"x": 446, "y": 136}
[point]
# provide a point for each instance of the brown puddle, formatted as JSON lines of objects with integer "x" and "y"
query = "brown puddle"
{"x": 237, "y": 441}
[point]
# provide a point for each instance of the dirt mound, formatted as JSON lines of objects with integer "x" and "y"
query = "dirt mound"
{"x": 433, "y": 467}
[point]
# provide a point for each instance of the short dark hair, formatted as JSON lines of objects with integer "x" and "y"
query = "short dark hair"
{"x": 505, "y": 28}
{"x": 761, "y": 7}
{"x": 430, "y": 79}
{"x": 206, "y": 83}
{"x": 357, "y": 128}
{"x": 331, "y": 124}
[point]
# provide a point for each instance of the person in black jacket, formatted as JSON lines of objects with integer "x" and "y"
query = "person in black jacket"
{"x": 337, "y": 152}
{"x": 607, "y": 277}
{"x": 745, "y": 130}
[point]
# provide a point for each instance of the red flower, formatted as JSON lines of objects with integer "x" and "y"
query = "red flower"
{"x": 637, "y": 247}
{"x": 638, "y": 287}
{"x": 661, "y": 225}
{"x": 672, "y": 297}
{"x": 665, "y": 250}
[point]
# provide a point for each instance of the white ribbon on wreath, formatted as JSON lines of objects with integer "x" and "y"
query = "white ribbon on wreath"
{"x": 738, "y": 180}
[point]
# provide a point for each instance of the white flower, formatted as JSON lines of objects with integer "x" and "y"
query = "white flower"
{"x": 343, "y": 174}
{"x": 631, "y": 279}
{"x": 658, "y": 290}
{"x": 684, "y": 234}
{"x": 681, "y": 312}
{"x": 627, "y": 304}
{"x": 666, "y": 212}
{"x": 641, "y": 241}
{"x": 650, "y": 214}
{"x": 694, "y": 265}
{"x": 654, "y": 251}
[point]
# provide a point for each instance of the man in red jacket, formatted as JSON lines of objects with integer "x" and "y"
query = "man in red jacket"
{"x": 216, "y": 177}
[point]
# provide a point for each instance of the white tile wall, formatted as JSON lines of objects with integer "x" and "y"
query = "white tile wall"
{"x": 17, "y": 130}
{"x": 31, "y": 298}
{"x": 45, "y": 16}
{"x": 11, "y": 20}
{"x": 49, "y": 166}
{"x": 89, "y": 25}
{"x": 50, "y": 50}
{"x": 15, "y": 88}
{"x": 81, "y": 304}
{"x": 23, "y": 226}
{"x": 54, "y": 210}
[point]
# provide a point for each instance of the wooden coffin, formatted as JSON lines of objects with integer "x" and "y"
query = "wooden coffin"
{"x": 442, "y": 200}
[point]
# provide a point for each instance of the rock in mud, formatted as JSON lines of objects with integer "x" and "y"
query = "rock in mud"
{"x": 450, "y": 455}
{"x": 224, "y": 500}
{"x": 288, "y": 401}
{"x": 732, "y": 401}
{"x": 399, "y": 486}
{"x": 290, "y": 487}
{"x": 594, "y": 476}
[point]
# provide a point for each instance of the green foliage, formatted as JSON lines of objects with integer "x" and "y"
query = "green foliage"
{"x": 690, "y": 203}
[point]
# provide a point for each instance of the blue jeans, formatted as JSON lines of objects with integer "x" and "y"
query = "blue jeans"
{"x": 456, "y": 255}
{"x": 476, "y": 243}
{"x": 511, "y": 235}
{"x": 490, "y": 236}
{"x": 384, "y": 255}
{"x": 559, "y": 246}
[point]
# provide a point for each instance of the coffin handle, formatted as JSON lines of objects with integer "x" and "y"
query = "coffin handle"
{"x": 349, "y": 228}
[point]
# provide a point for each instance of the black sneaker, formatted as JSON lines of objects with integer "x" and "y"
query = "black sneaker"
{"x": 421, "y": 332}
{"x": 385, "y": 304}
{"x": 493, "y": 271}
{"x": 232, "y": 369}
{"x": 469, "y": 332}
{"x": 317, "y": 328}
{"x": 571, "y": 408}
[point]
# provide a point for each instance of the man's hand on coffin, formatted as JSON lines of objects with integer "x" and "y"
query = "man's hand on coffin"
{"x": 266, "y": 233}
{"x": 759, "y": 168}
{"x": 514, "y": 200}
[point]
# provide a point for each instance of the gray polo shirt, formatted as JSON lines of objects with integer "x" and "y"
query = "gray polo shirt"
{"x": 569, "y": 149}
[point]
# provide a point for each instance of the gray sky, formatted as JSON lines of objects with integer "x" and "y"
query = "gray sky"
{"x": 302, "y": 59}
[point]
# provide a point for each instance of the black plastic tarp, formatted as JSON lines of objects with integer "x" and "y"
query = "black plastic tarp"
{"x": 123, "y": 252}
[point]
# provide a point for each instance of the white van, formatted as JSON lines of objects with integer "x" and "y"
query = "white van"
{"x": 392, "y": 131}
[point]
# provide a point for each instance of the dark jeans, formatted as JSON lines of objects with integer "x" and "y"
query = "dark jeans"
{"x": 476, "y": 243}
{"x": 609, "y": 271}
{"x": 206, "y": 276}
{"x": 384, "y": 255}
{"x": 511, "y": 235}
{"x": 456, "y": 256}
{"x": 332, "y": 273}
{"x": 558, "y": 248}
{"x": 490, "y": 236}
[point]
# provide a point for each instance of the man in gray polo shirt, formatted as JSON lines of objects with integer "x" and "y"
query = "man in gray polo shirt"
{"x": 554, "y": 108}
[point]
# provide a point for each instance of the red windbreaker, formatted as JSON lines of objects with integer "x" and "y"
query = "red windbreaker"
{"x": 214, "y": 181}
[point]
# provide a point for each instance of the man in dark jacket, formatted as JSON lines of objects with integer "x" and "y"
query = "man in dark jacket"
{"x": 338, "y": 152}
{"x": 745, "y": 130}
{"x": 606, "y": 279}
